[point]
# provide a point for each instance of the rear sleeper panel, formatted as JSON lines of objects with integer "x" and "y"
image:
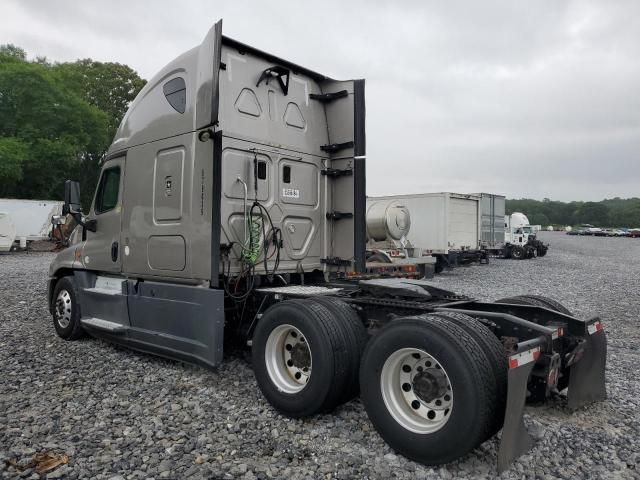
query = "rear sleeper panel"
{"x": 282, "y": 133}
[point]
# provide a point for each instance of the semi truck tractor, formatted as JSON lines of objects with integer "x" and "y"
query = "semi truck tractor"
{"x": 231, "y": 207}
{"x": 520, "y": 239}
{"x": 507, "y": 236}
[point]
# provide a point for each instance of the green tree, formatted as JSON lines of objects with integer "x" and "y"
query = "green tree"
{"x": 109, "y": 86}
{"x": 10, "y": 51}
{"x": 13, "y": 155}
{"x": 56, "y": 121}
{"x": 539, "y": 219}
{"x": 47, "y": 132}
{"x": 595, "y": 213}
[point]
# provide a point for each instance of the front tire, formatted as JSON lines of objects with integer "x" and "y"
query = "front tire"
{"x": 426, "y": 387}
{"x": 66, "y": 310}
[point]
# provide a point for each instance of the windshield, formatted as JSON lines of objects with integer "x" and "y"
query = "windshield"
{"x": 527, "y": 230}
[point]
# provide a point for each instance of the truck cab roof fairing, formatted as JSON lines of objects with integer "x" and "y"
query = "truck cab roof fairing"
{"x": 151, "y": 115}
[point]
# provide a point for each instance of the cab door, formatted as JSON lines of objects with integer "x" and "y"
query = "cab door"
{"x": 102, "y": 250}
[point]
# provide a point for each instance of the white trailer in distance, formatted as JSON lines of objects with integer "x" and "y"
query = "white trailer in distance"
{"x": 32, "y": 218}
{"x": 444, "y": 225}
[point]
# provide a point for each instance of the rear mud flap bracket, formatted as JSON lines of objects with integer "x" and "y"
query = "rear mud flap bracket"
{"x": 515, "y": 439}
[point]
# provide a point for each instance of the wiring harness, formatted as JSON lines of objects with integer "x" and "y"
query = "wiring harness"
{"x": 260, "y": 245}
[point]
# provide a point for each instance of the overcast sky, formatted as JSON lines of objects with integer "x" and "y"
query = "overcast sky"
{"x": 525, "y": 98}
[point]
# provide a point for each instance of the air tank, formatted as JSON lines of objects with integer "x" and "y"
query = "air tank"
{"x": 387, "y": 219}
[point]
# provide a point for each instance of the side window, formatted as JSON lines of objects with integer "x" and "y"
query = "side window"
{"x": 107, "y": 197}
{"x": 175, "y": 91}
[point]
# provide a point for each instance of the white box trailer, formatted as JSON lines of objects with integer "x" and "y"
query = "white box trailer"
{"x": 445, "y": 225}
{"x": 7, "y": 232}
{"x": 441, "y": 222}
{"x": 491, "y": 217}
{"x": 32, "y": 218}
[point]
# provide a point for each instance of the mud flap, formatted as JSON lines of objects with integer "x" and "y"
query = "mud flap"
{"x": 586, "y": 376}
{"x": 515, "y": 439}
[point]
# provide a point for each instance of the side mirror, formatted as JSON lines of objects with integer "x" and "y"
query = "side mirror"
{"x": 71, "y": 197}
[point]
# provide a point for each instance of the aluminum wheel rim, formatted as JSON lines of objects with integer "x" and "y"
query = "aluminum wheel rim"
{"x": 288, "y": 359}
{"x": 63, "y": 308}
{"x": 399, "y": 377}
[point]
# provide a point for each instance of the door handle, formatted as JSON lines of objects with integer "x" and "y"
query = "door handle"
{"x": 114, "y": 251}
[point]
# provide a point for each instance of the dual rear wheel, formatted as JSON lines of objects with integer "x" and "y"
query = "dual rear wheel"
{"x": 306, "y": 355}
{"x": 434, "y": 386}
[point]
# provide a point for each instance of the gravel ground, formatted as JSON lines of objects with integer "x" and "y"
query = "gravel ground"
{"x": 118, "y": 414}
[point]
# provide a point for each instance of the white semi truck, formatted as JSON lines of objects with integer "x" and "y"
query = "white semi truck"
{"x": 231, "y": 205}
{"x": 520, "y": 239}
{"x": 507, "y": 236}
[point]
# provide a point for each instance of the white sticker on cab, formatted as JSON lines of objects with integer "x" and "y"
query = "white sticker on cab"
{"x": 290, "y": 193}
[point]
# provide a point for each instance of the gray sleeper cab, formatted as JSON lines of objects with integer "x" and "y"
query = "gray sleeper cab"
{"x": 231, "y": 205}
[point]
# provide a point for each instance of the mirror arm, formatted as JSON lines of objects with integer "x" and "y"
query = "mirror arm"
{"x": 89, "y": 225}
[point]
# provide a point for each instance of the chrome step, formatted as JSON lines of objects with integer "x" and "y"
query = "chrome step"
{"x": 103, "y": 291}
{"x": 105, "y": 325}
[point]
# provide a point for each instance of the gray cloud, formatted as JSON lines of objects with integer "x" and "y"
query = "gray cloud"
{"x": 536, "y": 99}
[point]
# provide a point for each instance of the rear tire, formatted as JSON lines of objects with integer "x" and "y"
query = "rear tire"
{"x": 496, "y": 355}
{"x": 301, "y": 358}
{"x": 66, "y": 310}
{"x": 403, "y": 413}
{"x": 356, "y": 336}
{"x": 378, "y": 258}
{"x": 538, "y": 301}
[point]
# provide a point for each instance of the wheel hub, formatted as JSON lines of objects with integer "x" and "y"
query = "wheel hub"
{"x": 300, "y": 356}
{"x": 416, "y": 390}
{"x": 430, "y": 384}
{"x": 63, "y": 309}
{"x": 288, "y": 359}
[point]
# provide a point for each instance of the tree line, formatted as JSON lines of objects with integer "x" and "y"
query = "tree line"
{"x": 614, "y": 212}
{"x": 57, "y": 121}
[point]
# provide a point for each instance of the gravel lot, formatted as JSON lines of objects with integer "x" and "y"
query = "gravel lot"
{"x": 121, "y": 414}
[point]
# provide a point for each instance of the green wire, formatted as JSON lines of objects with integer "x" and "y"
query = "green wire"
{"x": 251, "y": 249}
